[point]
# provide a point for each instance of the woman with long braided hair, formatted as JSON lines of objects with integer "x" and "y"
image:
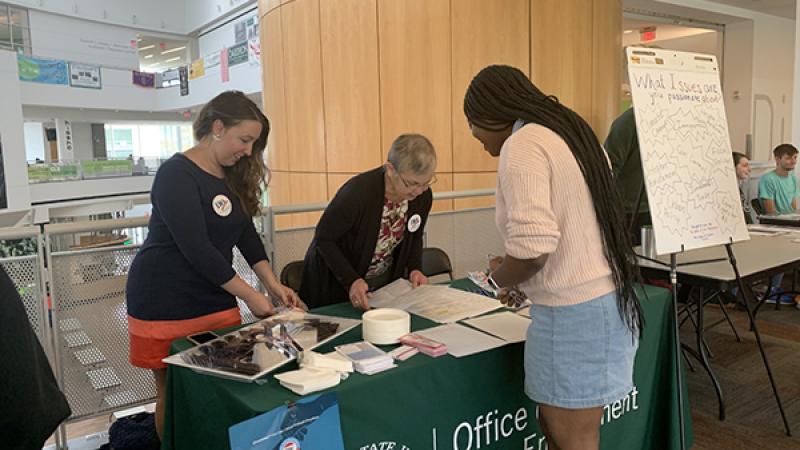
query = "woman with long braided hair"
{"x": 566, "y": 247}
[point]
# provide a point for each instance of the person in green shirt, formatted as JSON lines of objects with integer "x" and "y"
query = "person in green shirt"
{"x": 622, "y": 145}
{"x": 778, "y": 189}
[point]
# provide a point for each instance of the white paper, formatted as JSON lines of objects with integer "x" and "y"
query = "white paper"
{"x": 684, "y": 143}
{"x": 440, "y": 304}
{"x": 506, "y": 325}
{"x": 461, "y": 340}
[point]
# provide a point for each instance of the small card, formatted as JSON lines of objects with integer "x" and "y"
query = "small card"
{"x": 403, "y": 352}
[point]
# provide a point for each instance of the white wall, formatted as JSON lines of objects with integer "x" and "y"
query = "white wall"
{"x": 202, "y": 13}
{"x": 35, "y": 141}
{"x": 12, "y": 135}
{"x": 773, "y": 76}
{"x": 82, "y": 140}
{"x": 737, "y": 81}
{"x": 155, "y": 15}
{"x": 60, "y": 37}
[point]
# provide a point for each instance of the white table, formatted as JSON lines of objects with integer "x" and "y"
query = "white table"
{"x": 757, "y": 259}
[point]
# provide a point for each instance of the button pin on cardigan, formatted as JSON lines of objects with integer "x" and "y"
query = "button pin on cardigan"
{"x": 414, "y": 222}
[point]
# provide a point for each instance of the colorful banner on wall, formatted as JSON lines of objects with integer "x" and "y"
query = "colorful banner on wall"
{"x": 37, "y": 70}
{"x": 197, "y": 69}
{"x": 183, "y": 76}
{"x": 254, "y": 52}
{"x": 237, "y": 54}
{"x": 144, "y": 79}
{"x": 223, "y": 65}
{"x": 85, "y": 76}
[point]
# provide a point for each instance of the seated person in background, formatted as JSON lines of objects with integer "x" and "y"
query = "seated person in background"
{"x": 778, "y": 189}
{"x": 742, "y": 166}
{"x": 371, "y": 232}
{"x": 622, "y": 146}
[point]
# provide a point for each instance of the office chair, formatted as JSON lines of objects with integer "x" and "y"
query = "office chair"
{"x": 292, "y": 275}
{"x": 436, "y": 262}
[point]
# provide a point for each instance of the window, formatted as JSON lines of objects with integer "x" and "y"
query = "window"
{"x": 149, "y": 141}
{"x": 15, "y": 33}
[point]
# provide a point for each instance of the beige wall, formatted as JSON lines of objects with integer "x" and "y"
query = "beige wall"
{"x": 343, "y": 78}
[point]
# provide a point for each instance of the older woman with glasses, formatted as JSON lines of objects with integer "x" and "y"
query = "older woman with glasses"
{"x": 371, "y": 232}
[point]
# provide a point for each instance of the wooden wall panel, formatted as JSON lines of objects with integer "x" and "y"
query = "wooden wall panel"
{"x": 415, "y": 73}
{"x": 336, "y": 180}
{"x": 444, "y": 183}
{"x": 483, "y": 33}
{"x": 561, "y": 43}
{"x": 350, "y": 84}
{"x": 273, "y": 93}
{"x": 307, "y": 188}
{"x": 607, "y": 74}
{"x": 265, "y": 6}
{"x": 468, "y": 181}
{"x": 303, "y": 85}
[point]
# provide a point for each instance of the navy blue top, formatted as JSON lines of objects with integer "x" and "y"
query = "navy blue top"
{"x": 188, "y": 254}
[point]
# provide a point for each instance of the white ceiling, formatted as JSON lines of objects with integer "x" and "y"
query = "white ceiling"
{"x": 154, "y": 58}
{"x": 783, "y": 8}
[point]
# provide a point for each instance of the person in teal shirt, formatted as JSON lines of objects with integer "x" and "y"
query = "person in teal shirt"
{"x": 778, "y": 189}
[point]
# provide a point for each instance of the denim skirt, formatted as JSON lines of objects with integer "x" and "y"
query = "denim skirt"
{"x": 579, "y": 356}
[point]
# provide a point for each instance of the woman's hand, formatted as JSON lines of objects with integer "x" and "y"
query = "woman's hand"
{"x": 417, "y": 278}
{"x": 289, "y": 297}
{"x": 359, "y": 294}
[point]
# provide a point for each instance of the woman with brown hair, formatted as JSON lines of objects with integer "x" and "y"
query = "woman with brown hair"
{"x": 181, "y": 281}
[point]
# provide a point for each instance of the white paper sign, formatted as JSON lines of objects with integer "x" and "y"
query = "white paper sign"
{"x": 686, "y": 151}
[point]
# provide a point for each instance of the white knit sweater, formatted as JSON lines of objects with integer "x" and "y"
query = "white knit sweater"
{"x": 544, "y": 206}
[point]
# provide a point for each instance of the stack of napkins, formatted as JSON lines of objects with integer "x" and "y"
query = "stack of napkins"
{"x": 366, "y": 358}
{"x": 317, "y": 372}
{"x": 425, "y": 345}
{"x": 308, "y": 380}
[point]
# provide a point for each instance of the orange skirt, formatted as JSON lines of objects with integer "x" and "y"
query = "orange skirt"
{"x": 150, "y": 339}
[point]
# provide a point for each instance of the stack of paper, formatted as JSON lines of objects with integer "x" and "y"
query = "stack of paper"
{"x": 437, "y": 303}
{"x": 308, "y": 380}
{"x": 425, "y": 345}
{"x": 330, "y": 361}
{"x": 366, "y": 358}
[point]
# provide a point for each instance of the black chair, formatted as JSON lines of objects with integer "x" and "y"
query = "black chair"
{"x": 757, "y": 207}
{"x": 436, "y": 262}
{"x": 292, "y": 275}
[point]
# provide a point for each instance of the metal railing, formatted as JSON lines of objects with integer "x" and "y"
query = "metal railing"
{"x": 84, "y": 329}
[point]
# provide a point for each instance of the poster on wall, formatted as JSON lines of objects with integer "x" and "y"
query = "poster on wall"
{"x": 197, "y": 69}
{"x": 85, "y": 76}
{"x": 240, "y": 32}
{"x": 254, "y": 52}
{"x": 212, "y": 60}
{"x": 252, "y": 27}
{"x": 144, "y": 79}
{"x": 38, "y": 70}
{"x": 237, "y": 54}
{"x": 183, "y": 76}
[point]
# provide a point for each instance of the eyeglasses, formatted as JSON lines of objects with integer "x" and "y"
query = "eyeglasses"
{"x": 414, "y": 184}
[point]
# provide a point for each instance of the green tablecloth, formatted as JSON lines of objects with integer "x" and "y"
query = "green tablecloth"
{"x": 439, "y": 403}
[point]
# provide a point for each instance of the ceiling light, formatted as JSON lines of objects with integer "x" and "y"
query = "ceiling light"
{"x": 148, "y": 56}
{"x": 628, "y": 31}
{"x": 147, "y": 48}
{"x": 172, "y": 50}
{"x": 172, "y": 59}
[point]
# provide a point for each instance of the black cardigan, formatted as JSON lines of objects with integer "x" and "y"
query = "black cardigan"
{"x": 345, "y": 238}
